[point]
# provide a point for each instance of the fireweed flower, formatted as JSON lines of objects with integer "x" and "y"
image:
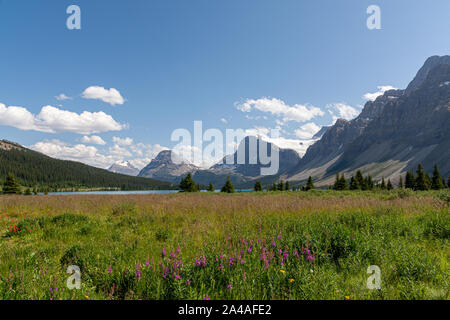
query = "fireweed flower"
{"x": 110, "y": 271}
{"x": 200, "y": 262}
{"x": 163, "y": 252}
{"x": 206, "y": 298}
{"x": 230, "y": 286}
{"x": 188, "y": 282}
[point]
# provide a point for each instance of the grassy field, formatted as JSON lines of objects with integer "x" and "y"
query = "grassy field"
{"x": 296, "y": 245}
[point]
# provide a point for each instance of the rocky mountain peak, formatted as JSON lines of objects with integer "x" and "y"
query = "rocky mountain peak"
{"x": 422, "y": 74}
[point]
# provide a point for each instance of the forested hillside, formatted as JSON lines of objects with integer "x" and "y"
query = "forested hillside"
{"x": 33, "y": 169}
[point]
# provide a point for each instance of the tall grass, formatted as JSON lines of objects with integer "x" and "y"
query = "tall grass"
{"x": 297, "y": 245}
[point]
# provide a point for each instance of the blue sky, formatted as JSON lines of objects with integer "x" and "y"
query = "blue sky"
{"x": 287, "y": 63}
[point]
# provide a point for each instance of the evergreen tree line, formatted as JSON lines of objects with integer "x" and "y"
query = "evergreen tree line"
{"x": 34, "y": 170}
{"x": 188, "y": 184}
{"x": 418, "y": 181}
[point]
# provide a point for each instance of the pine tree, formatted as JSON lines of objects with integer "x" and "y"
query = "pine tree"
{"x": 274, "y": 187}
{"x": 11, "y": 186}
{"x": 370, "y": 184}
{"x": 287, "y": 187}
{"x": 448, "y": 182}
{"x": 228, "y": 187}
{"x": 336, "y": 182}
{"x": 422, "y": 182}
{"x": 187, "y": 184}
{"x": 410, "y": 180}
{"x": 211, "y": 187}
{"x": 383, "y": 184}
{"x": 309, "y": 184}
{"x": 28, "y": 192}
{"x": 436, "y": 181}
{"x": 400, "y": 182}
{"x": 280, "y": 186}
{"x": 343, "y": 183}
{"x": 360, "y": 180}
{"x": 389, "y": 185}
{"x": 353, "y": 184}
{"x": 258, "y": 186}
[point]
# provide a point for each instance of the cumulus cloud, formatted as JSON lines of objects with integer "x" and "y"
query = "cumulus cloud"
{"x": 54, "y": 120}
{"x": 307, "y": 131}
{"x": 119, "y": 151}
{"x": 139, "y": 154}
{"x": 380, "y": 92}
{"x": 111, "y": 96}
{"x": 123, "y": 141}
{"x": 93, "y": 140}
{"x": 62, "y": 97}
{"x": 343, "y": 110}
{"x": 277, "y": 107}
{"x": 80, "y": 152}
{"x": 224, "y": 120}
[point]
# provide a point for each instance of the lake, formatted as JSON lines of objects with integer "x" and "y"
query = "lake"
{"x": 126, "y": 192}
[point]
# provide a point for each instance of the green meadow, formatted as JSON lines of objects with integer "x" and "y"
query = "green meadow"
{"x": 267, "y": 245}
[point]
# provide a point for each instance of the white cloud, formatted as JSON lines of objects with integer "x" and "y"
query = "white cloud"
{"x": 62, "y": 97}
{"x": 119, "y": 151}
{"x": 343, "y": 110}
{"x": 307, "y": 131}
{"x": 224, "y": 120}
{"x": 297, "y": 112}
{"x": 93, "y": 140}
{"x": 53, "y": 120}
{"x": 80, "y": 152}
{"x": 381, "y": 91}
{"x": 111, "y": 96}
{"x": 123, "y": 141}
{"x": 90, "y": 155}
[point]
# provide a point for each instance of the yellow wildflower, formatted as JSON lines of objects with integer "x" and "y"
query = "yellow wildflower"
{"x": 347, "y": 297}
{"x": 291, "y": 280}
{"x": 282, "y": 271}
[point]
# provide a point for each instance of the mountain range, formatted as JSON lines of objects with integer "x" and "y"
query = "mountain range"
{"x": 392, "y": 134}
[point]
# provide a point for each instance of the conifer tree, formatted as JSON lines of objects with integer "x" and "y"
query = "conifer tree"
{"x": 422, "y": 182}
{"x": 309, "y": 184}
{"x": 410, "y": 180}
{"x": 228, "y": 187}
{"x": 280, "y": 185}
{"x": 336, "y": 182}
{"x": 389, "y": 185}
{"x": 436, "y": 181}
{"x": 28, "y": 192}
{"x": 211, "y": 187}
{"x": 400, "y": 182}
{"x": 353, "y": 184}
{"x": 11, "y": 186}
{"x": 274, "y": 187}
{"x": 383, "y": 184}
{"x": 258, "y": 186}
{"x": 287, "y": 187}
{"x": 187, "y": 184}
{"x": 359, "y": 179}
{"x": 343, "y": 183}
